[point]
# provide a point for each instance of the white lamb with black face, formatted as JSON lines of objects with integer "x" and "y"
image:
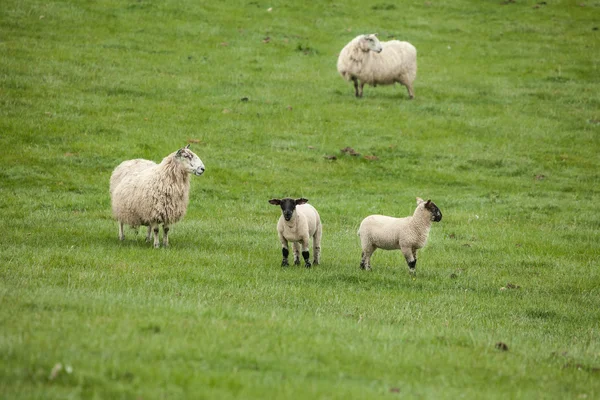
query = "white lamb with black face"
{"x": 366, "y": 60}
{"x": 298, "y": 223}
{"x": 406, "y": 234}
{"x": 149, "y": 194}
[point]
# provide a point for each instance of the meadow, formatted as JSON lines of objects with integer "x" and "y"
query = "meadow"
{"x": 504, "y": 136}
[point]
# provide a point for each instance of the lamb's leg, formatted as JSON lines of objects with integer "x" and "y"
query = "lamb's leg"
{"x": 305, "y": 252}
{"x": 284, "y": 251}
{"x": 165, "y": 235}
{"x": 410, "y": 258}
{"x": 155, "y": 231}
{"x": 362, "y": 85}
{"x": 296, "y": 247}
{"x": 121, "y": 233}
{"x": 149, "y": 233}
{"x": 365, "y": 261}
{"x": 317, "y": 245}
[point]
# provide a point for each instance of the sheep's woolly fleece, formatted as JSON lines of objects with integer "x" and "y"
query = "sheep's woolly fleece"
{"x": 366, "y": 60}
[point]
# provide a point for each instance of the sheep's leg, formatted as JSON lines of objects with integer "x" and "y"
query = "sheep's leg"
{"x": 296, "y": 246}
{"x": 165, "y": 235}
{"x": 149, "y": 233}
{"x": 411, "y": 92}
{"x": 155, "y": 231}
{"x": 410, "y": 258}
{"x": 284, "y": 251}
{"x": 355, "y": 80}
{"x": 409, "y": 87}
{"x": 305, "y": 252}
{"x": 367, "y": 251}
{"x": 121, "y": 233}
{"x": 317, "y": 245}
{"x": 362, "y": 85}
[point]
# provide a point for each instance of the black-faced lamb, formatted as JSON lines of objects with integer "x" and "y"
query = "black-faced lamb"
{"x": 407, "y": 234}
{"x": 298, "y": 223}
{"x": 366, "y": 60}
{"x": 149, "y": 194}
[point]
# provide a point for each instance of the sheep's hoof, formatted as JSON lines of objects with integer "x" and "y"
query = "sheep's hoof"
{"x": 315, "y": 262}
{"x": 296, "y": 262}
{"x": 412, "y": 271}
{"x": 285, "y": 263}
{"x": 307, "y": 265}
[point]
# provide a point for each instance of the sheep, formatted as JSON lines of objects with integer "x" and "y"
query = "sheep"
{"x": 298, "y": 222}
{"x": 145, "y": 193}
{"x": 372, "y": 62}
{"x": 407, "y": 234}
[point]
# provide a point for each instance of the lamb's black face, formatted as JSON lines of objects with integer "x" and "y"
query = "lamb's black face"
{"x": 287, "y": 208}
{"x": 436, "y": 214}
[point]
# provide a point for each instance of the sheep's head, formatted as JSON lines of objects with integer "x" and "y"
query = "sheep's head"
{"x": 370, "y": 43}
{"x": 190, "y": 161}
{"x": 436, "y": 214}
{"x": 288, "y": 206}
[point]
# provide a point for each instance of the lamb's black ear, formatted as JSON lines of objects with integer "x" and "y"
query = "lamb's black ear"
{"x": 275, "y": 202}
{"x": 188, "y": 146}
{"x": 178, "y": 153}
{"x": 301, "y": 200}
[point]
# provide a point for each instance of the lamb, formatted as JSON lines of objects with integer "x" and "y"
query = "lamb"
{"x": 145, "y": 193}
{"x": 298, "y": 222}
{"x": 366, "y": 60}
{"x": 407, "y": 234}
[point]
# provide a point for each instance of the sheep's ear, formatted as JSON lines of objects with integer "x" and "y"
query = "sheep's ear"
{"x": 301, "y": 200}
{"x": 275, "y": 202}
{"x": 178, "y": 153}
{"x": 375, "y": 34}
{"x": 420, "y": 200}
{"x": 428, "y": 203}
{"x": 188, "y": 146}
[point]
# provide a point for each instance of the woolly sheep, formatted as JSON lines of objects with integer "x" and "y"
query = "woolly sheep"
{"x": 298, "y": 222}
{"x": 145, "y": 193}
{"x": 372, "y": 62}
{"x": 407, "y": 234}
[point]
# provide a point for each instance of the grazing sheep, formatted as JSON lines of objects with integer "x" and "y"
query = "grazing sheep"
{"x": 298, "y": 222}
{"x": 145, "y": 193}
{"x": 407, "y": 234}
{"x": 372, "y": 62}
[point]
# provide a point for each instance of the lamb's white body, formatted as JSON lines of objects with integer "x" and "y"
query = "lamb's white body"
{"x": 407, "y": 234}
{"x": 304, "y": 223}
{"x": 145, "y": 193}
{"x": 366, "y": 60}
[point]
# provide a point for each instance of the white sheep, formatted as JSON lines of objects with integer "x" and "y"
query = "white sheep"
{"x": 407, "y": 234}
{"x": 145, "y": 193}
{"x": 366, "y": 60}
{"x": 299, "y": 222}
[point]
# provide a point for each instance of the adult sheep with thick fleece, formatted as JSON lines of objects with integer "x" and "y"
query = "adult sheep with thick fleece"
{"x": 298, "y": 223}
{"x": 145, "y": 193}
{"x": 366, "y": 60}
{"x": 407, "y": 234}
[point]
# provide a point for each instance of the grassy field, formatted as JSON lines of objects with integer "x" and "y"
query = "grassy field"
{"x": 504, "y": 136}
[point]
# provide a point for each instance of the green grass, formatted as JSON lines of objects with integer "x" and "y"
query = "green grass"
{"x": 503, "y": 136}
